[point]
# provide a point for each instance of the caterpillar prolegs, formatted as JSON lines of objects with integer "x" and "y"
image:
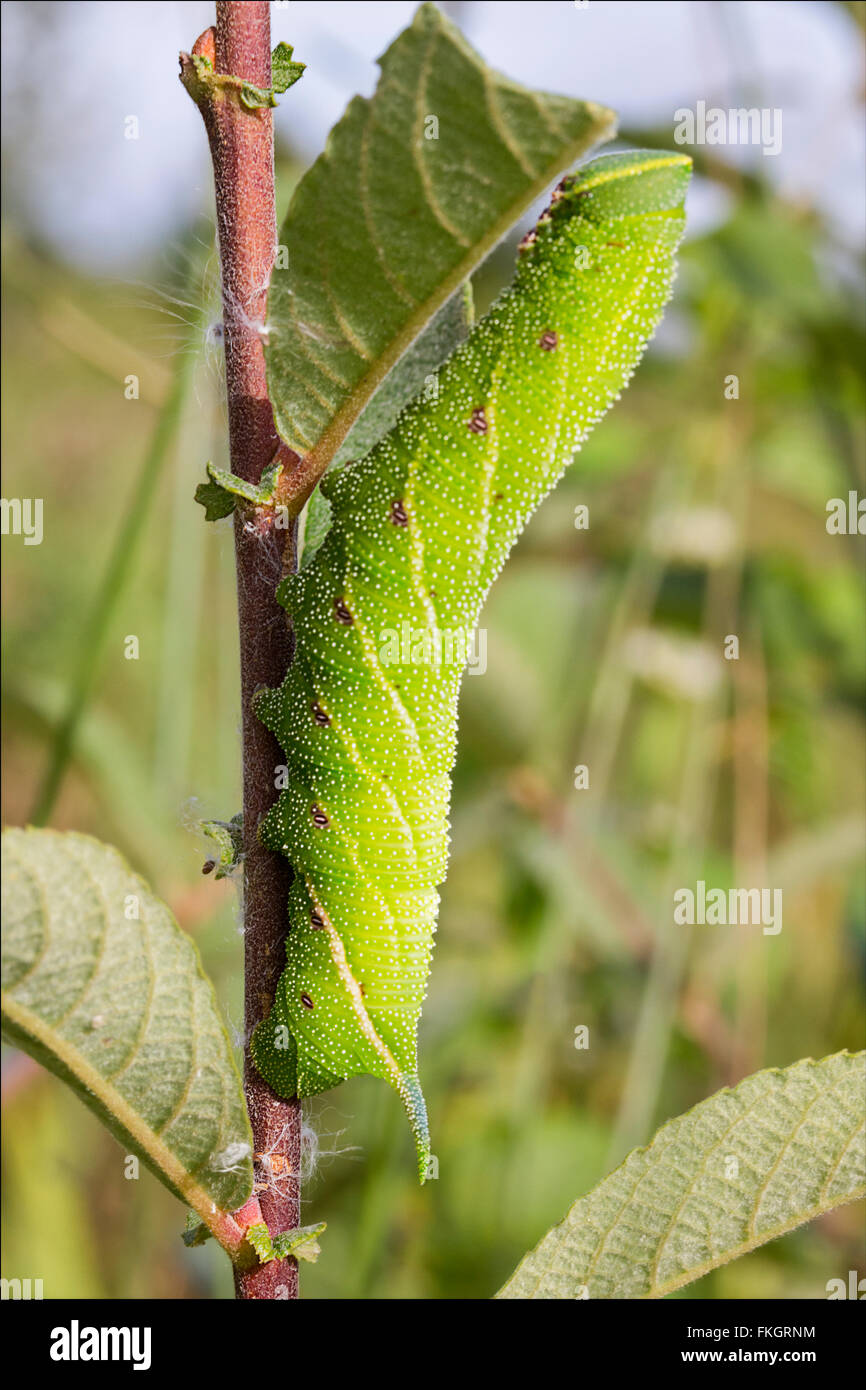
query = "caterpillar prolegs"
{"x": 421, "y": 528}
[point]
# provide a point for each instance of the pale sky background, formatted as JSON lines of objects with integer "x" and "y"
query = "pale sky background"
{"x": 73, "y": 70}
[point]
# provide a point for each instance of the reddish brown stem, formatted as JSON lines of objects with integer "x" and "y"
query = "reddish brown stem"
{"x": 241, "y": 144}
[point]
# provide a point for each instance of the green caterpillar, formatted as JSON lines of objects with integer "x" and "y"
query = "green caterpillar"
{"x": 421, "y": 528}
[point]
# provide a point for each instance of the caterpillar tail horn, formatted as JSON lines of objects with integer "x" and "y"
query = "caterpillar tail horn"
{"x": 409, "y": 1090}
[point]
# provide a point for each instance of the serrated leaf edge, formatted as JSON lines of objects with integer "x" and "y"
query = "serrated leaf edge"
{"x": 689, "y": 1276}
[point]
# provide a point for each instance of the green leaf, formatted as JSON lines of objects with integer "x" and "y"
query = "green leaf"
{"x": 259, "y": 1238}
{"x": 217, "y": 502}
{"x": 303, "y": 1242}
{"x": 284, "y": 73}
{"x": 416, "y": 372}
{"x": 260, "y": 494}
{"x": 203, "y": 83}
{"x": 389, "y": 222}
{"x": 102, "y": 987}
{"x": 741, "y": 1168}
{"x": 196, "y": 1232}
{"x": 317, "y": 523}
{"x": 219, "y": 497}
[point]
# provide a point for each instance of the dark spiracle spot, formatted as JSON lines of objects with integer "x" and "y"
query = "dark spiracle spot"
{"x": 320, "y": 820}
{"x": 549, "y": 340}
{"x": 478, "y": 421}
{"x": 319, "y": 714}
{"x": 316, "y": 920}
{"x": 398, "y": 513}
{"x": 363, "y": 991}
{"x": 307, "y": 1001}
{"x": 341, "y": 612}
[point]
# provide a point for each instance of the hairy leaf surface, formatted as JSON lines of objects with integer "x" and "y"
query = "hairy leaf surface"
{"x": 414, "y": 188}
{"x": 102, "y": 987}
{"x": 743, "y": 1167}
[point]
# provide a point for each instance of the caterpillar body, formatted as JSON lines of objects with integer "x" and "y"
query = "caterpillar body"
{"x": 421, "y": 528}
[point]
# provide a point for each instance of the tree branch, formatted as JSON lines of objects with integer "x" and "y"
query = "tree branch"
{"x": 241, "y": 144}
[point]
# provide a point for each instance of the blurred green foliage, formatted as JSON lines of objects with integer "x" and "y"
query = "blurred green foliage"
{"x": 605, "y": 648}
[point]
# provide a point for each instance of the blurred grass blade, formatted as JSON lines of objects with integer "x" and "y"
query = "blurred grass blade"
{"x": 102, "y": 987}
{"x": 111, "y": 758}
{"x": 117, "y": 572}
{"x": 446, "y": 148}
{"x": 741, "y": 1168}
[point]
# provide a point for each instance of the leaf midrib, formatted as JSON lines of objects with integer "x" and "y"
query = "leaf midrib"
{"x": 755, "y": 1239}
{"x": 218, "y": 1222}
{"x": 329, "y": 441}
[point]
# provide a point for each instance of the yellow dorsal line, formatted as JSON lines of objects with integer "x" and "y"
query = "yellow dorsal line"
{"x": 625, "y": 171}
{"x": 338, "y": 955}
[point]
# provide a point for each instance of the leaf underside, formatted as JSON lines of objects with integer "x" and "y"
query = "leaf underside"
{"x": 102, "y": 987}
{"x": 413, "y": 374}
{"x": 396, "y": 214}
{"x": 741, "y": 1168}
